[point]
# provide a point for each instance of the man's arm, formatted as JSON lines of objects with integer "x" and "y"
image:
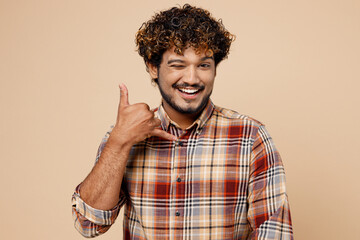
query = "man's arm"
{"x": 101, "y": 188}
{"x": 268, "y": 213}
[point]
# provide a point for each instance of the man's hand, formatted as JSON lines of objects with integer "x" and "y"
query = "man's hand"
{"x": 101, "y": 188}
{"x": 135, "y": 122}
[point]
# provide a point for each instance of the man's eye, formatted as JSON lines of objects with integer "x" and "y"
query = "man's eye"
{"x": 205, "y": 65}
{"x": 177, "y": 66}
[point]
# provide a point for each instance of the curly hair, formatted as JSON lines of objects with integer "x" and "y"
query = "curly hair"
{"x": 183, "y": 27}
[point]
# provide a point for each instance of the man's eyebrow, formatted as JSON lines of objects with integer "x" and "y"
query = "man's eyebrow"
{"x": 205, "y": 58}
{"x": 182, "y": 61}
{"x": 175, "y": 60}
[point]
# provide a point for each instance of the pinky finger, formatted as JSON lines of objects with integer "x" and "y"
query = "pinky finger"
{"x": 163, "y": 134}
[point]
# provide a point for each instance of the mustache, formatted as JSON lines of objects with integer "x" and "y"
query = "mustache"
{"x": 185, "y": 85}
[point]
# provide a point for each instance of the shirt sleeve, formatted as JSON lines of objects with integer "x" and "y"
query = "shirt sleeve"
{"x": 91, "y": 222}
{"x": 269, "y": 212}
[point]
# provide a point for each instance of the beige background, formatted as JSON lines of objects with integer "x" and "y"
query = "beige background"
{"x": 295, "y": 66}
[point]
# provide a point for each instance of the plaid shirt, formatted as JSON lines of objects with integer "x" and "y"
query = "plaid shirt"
{"x": 222, "y": 179}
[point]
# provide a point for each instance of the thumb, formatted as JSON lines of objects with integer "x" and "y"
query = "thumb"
{"x": 124, "y": 96}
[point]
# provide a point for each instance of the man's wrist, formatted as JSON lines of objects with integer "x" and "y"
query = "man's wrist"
{"x": 118, "y": 146}
{"x": 118, "y": 142}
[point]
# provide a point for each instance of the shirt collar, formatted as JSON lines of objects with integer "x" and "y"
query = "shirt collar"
{"x": 200, "y": 121}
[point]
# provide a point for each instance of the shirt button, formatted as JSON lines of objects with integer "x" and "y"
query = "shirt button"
{"x": 178, "y": 179}
{"x": 180, "y": 143}
{"x": 177, "y": 213}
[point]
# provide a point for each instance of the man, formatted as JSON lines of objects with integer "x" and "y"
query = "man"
{"x": 188, "y": 169}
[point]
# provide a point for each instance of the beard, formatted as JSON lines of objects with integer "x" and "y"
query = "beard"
{"x": 184, "y": 110}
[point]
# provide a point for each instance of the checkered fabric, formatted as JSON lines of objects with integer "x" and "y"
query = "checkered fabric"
{"x": 222, "y": 179}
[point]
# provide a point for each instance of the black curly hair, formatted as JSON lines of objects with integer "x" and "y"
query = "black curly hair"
{"x": 183, "y": 27}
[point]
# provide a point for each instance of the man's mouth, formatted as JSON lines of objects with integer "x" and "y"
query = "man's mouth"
{"x": 190, "y": 91}
{"x": 187, "y": 90}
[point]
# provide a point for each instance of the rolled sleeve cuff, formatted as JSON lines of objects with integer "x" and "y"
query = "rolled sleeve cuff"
{"x": 96, "y": 216}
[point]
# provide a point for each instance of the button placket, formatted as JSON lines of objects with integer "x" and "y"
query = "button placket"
{"x": 174, "y": 174}
{"x": 181, "y": 154}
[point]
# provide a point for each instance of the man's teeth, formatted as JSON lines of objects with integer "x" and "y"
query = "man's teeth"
{"x": 189, "y": 91}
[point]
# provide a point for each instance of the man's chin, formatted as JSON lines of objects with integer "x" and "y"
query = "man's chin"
{"x": 191, "y": 110}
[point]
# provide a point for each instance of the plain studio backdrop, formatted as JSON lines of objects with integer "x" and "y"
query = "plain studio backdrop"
{"x": 295, "y": 66}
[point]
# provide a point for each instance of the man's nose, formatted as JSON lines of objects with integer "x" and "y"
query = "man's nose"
{"x": 191, "y": 75}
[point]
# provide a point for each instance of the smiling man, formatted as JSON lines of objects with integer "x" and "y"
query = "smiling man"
{"x": 188, "y": 169}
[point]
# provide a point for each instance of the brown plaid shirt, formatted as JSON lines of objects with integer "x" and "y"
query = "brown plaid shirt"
{"x": 222, "y": 179}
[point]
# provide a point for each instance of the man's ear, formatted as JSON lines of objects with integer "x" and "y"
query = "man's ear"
{"x": 153, "y": 70}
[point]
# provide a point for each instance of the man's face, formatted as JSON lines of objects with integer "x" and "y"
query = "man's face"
{"x": 185, "y": 81}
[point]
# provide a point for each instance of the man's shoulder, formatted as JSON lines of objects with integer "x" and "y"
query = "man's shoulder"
{"x": 234, "y": 116}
